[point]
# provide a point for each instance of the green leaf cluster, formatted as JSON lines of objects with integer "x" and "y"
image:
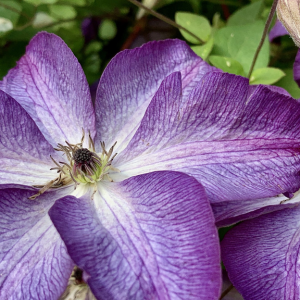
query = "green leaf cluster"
{"x": 225, "y": 33}
{"x": 231, "y": 46}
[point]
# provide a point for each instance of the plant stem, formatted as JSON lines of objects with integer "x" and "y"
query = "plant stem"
{"x": 165, "y": 19}
{"x": 15, "y": 10}
{"x": 226, "y": 291}
{"x": 265, "y": 32}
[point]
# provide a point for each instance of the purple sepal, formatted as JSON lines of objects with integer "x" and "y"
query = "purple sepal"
{"x": 24, "y": 152}
{"x": 272, "y": 88}
{"x": 34, "y": 263}
{"x": 239, "y": 145}
{"x": 132, "y": 78}
{"x": 277, "y": 31}
{"x": 296, "y": 68}
{"x": 149, "y": 237}
{"x": 232, "y": 212}
{"x": 261, "y": 256}
{"x": 50, "y": 84}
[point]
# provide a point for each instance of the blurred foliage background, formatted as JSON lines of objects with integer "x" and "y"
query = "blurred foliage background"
{"x": 96, "y": 30}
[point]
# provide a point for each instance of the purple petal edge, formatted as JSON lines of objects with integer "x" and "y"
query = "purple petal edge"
{"x": 34, "y": 263}
{"x": 150, "y": 237}
{"x": 262, "y": 256}
{"x": 296, "y": 68}
{"x": 277, "y": 31}
{"x": 50, "y": 84}
{"x": 24, "y": 152}
{"x": 131, "y": 79}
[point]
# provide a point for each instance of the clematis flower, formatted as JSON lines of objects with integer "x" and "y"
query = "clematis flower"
{"x": 150, "y": 236}
{"x": 138, "y": 223}
{"x": 261, "y": 255}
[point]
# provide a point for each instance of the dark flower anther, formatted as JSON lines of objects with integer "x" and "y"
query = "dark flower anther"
{"x": 82, "y": 156}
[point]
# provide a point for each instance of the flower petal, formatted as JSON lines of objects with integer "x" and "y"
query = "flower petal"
{"x": 34, "y": 263}
{"x": 296, "y": 68}
{"x": 277, "y": 31}
{"x": 51, "y": 86}
{"x": 24, "y": 152}
{"x": 131, "y": 79}
{"x": 262, "y": 256}
{"x": 229, "y": 213}
{"x": 150, "y": 237}
{"x": 239, "y": 148}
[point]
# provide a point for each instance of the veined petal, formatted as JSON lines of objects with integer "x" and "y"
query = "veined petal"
{"x": 130, "y": 81}
{"x": 238, "y": 147}
{"x": 231, "y": 212}
{"x": 148, "y": 237}
{"x": 24, "y": 152}
{"x": 274, "y": 88}
{"x": 262, "y": 256}
{"x": 49, "y": 83}
{"x": 34, "y": 263}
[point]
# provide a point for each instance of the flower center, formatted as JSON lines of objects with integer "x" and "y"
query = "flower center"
{"x": 84, "y": 165}
{"x": 82, "y": 156}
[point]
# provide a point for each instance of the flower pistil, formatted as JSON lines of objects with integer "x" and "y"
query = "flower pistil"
{"x": 84, "y": 165}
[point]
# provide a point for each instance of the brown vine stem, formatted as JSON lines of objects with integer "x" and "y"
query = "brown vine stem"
{"x": 165, "y": 19}
{"x": 15, "y": 10}
{"x": 265, "y": 32}
{"x": 226, "y": 292}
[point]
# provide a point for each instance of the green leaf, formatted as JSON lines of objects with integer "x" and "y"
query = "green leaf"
{"x": 5, "y": 25}
{"x": 9, "y": 55}
{"x": 93, "y": 47}
{"x": 196, "y": 4}
{"x": 217, "y": 21}
{"x": 198, "y": 25}
{"x": 266, "y": 76}
{"x": 42, "y": 19}
{"x": 12, "y": 14}
{"x": 33, "y": 2}
{"x": 227, "y": 64}
{"x": 62, "y": 12}
{"x": 246, "y": 14}
{"x": 92, "y": 63}
{"x": 39, "y": 2}
{"x": 240, "y": 43}
{"x": 105, "y": 6}
{"x": 288, "y": 83}
{"x": 204, "y": 50}
{"x": 72, "y": 36}
{"x": 73, "y": 2}
{"x": 107, "y": 30}
{"x": 48, "y": 1}
{"x": 27, "y": 16}
{"x": 22, "y": 35}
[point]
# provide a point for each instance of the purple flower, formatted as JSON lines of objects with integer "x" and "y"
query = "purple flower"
{"x": 137, "y": 228}
{"x": 296, "y": 68}
{"x": 150, "y": 236}
{"x": 277, "y": 31}
{"x": 261, "y": 255}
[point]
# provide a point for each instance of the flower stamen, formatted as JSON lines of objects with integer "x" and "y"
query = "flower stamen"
{"x": 84, "y": 165}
